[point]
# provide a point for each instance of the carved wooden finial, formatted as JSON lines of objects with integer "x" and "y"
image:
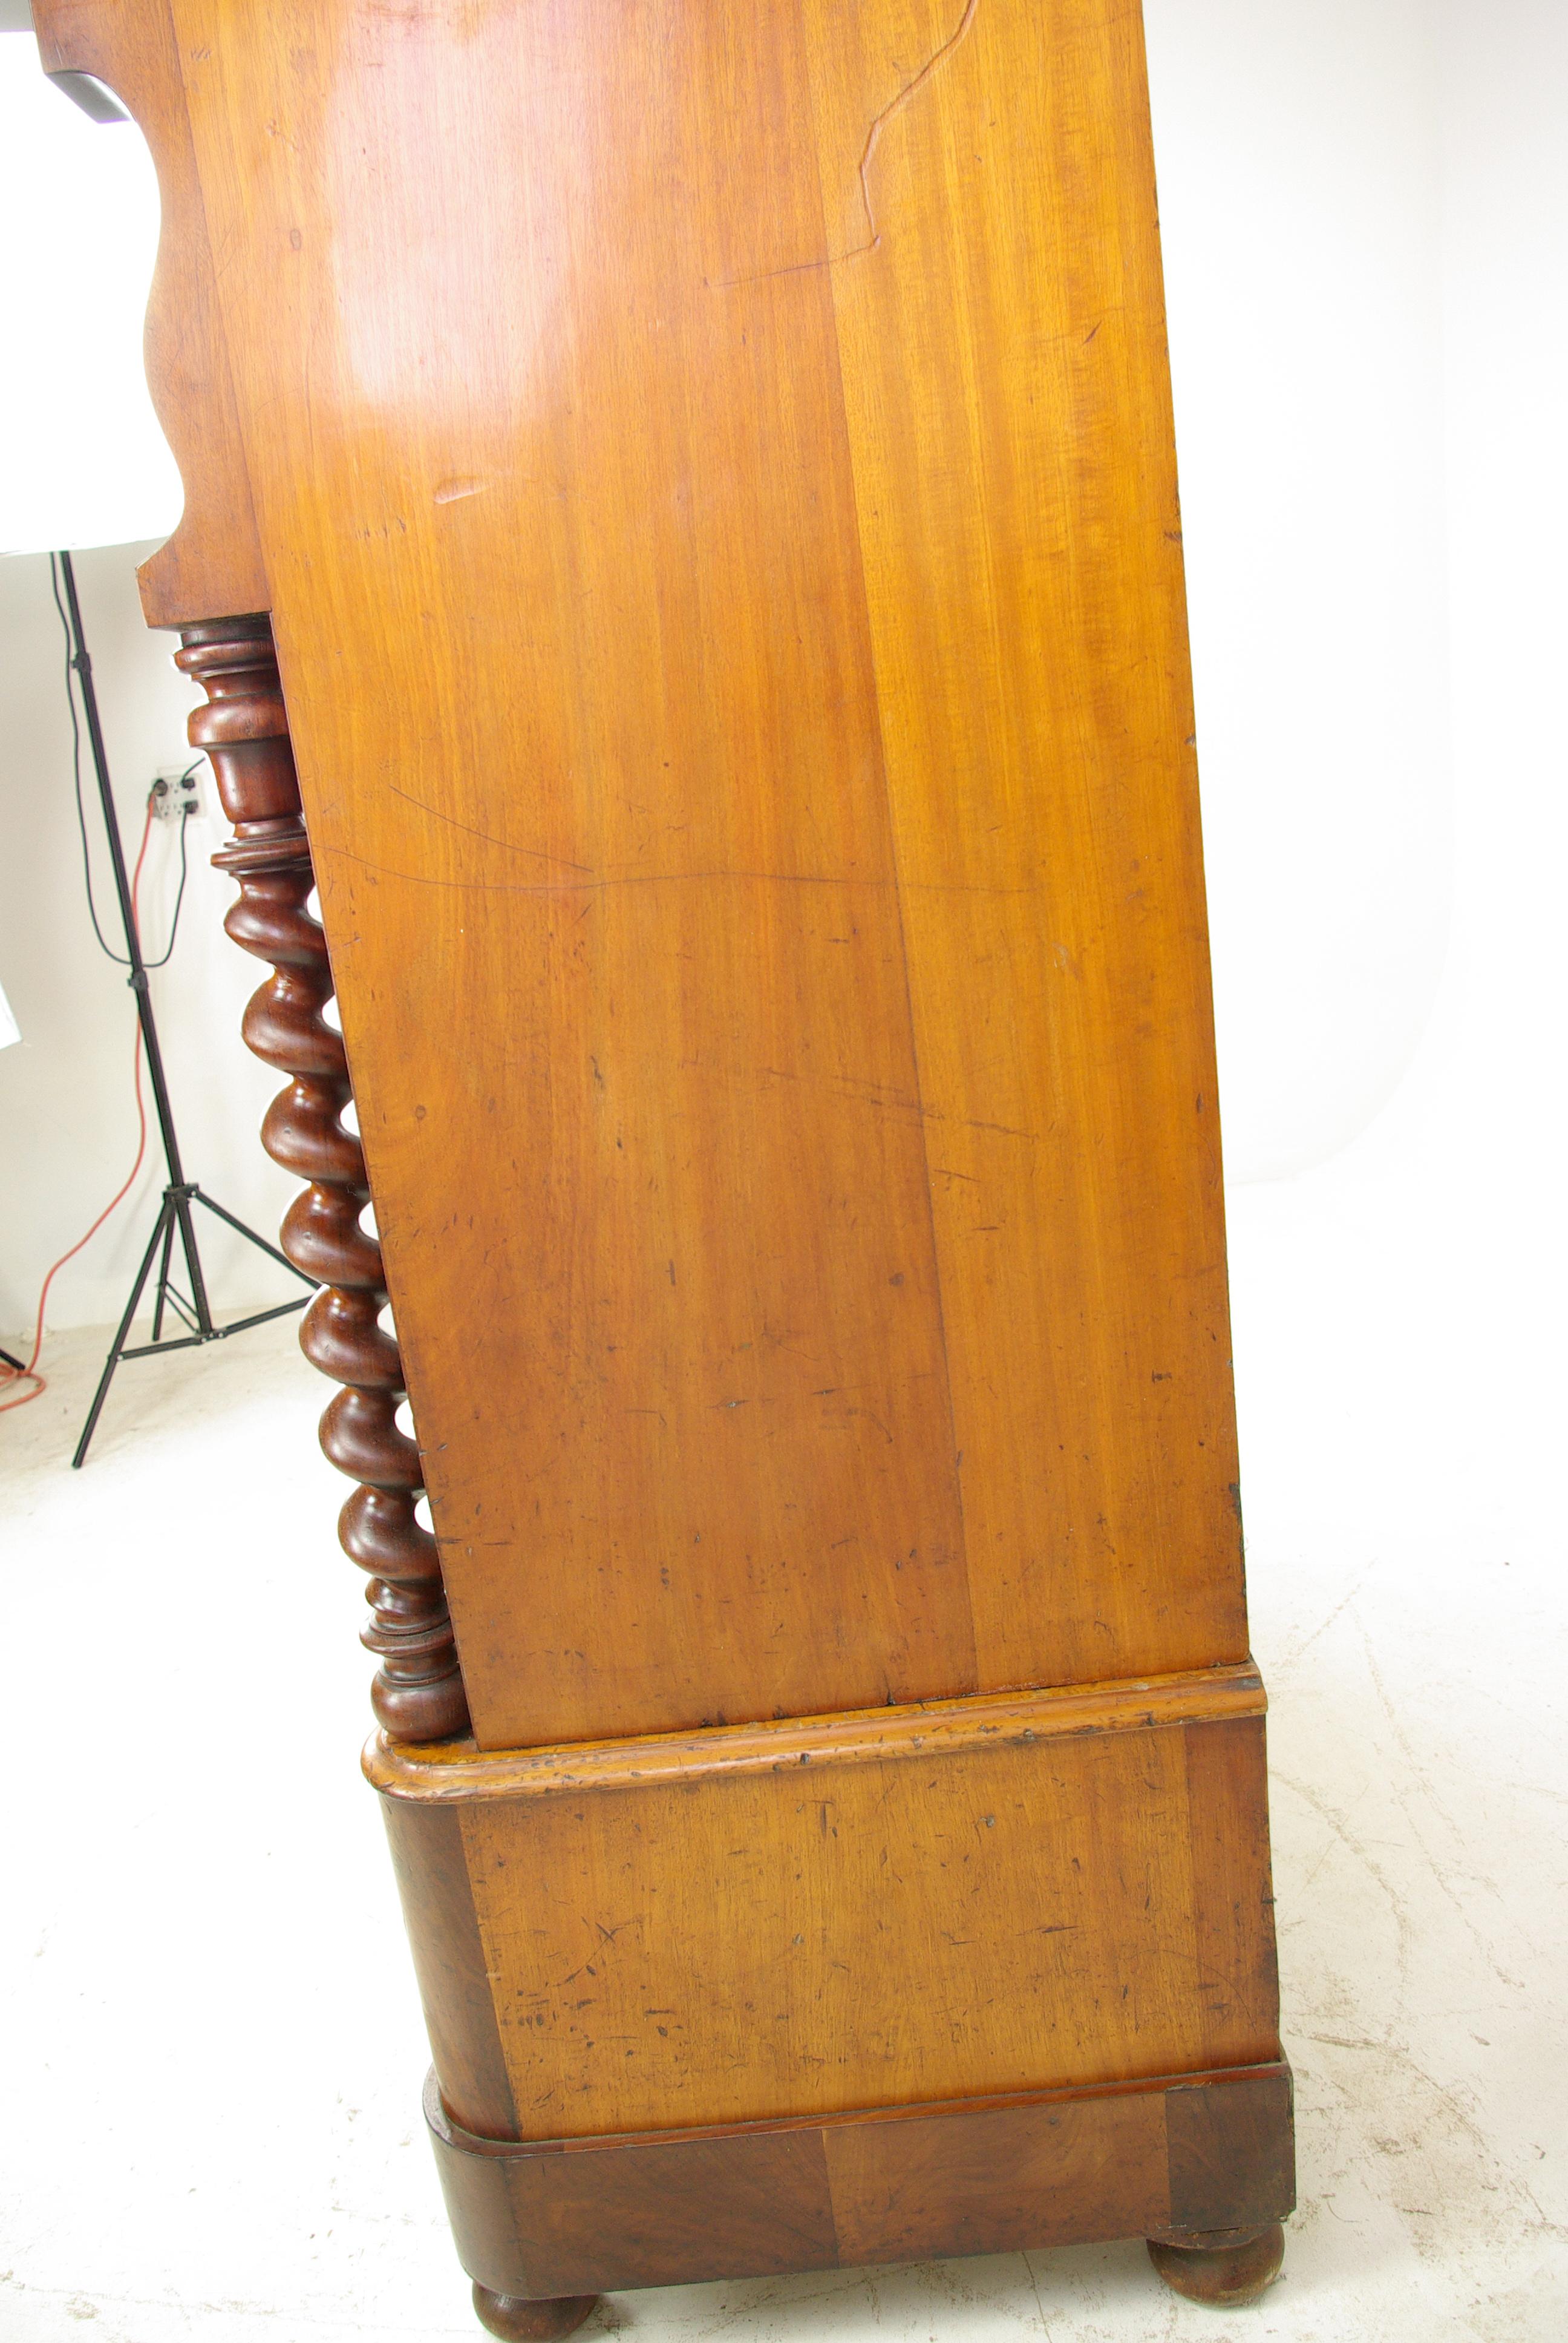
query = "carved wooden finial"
{"x": 418, "y": 1691}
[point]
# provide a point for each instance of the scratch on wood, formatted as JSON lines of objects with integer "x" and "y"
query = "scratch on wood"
{"x": 895, "y": 106}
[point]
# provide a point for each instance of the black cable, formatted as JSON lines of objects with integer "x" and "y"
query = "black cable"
{"x": 119, "y": 960}
{"x": 76, "y": 767}
{"x": 180, "y": 894}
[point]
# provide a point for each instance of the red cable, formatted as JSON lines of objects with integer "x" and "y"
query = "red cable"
{"x": 29, "y": 1372}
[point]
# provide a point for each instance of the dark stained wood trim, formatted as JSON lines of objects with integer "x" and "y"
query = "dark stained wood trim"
{"x": 1231, "y": 2151}
{"x": 1174, "y": 2158}
{"x": 517, "y": 2320}
{"x": 432, "y": 1872}
{"x": 1225, "y": 2273}
{"x": 418, "y": 1693}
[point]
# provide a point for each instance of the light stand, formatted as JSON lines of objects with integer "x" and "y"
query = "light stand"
{"x": 175, "y": 1215}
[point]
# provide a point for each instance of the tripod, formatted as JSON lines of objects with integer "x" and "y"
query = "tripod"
{"x": 176, "y": 1217}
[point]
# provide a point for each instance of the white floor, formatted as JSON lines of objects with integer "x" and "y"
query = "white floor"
{"x": 214, "y": 2052}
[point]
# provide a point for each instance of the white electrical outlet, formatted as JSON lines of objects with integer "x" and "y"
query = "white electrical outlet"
{"x": 176, "y": 796}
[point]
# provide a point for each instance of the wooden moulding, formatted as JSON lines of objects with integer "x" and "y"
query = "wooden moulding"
{"x": 1183, "y": 2157}
{"x": 459, "y": 1770}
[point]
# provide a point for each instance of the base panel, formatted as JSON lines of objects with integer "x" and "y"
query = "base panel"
{"x": 958, "y": 1978}
{"x": 1039, "y": 1891}
{"x": 1186, "y": 2156}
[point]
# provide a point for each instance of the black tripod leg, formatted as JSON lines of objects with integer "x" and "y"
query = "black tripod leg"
{"x": 162, "y": 1281}
{"x": 193, "y": 1265}
{"x": 260, "y": 1242}
{"x": 118, "y": 1345}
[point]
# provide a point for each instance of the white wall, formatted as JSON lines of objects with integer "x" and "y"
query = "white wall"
{"x": 86, "y": 462}
{"x": 1491, "y": 1079}
{"x": 82, "y": 459}
{"x": 1297, "y": 145}
{"x": 1364, "y": 206}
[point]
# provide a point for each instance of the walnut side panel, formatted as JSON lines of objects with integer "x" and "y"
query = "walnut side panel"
{"x": 769, "y": 714}
{"x": 1007, "y": 406}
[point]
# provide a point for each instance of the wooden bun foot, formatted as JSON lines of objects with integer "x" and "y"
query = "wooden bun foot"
{"x": 1222, "y": 2273}
{"x": 517, "y": 2320}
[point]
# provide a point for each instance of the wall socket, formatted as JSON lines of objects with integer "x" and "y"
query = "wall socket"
{"x": 176, "y": 795}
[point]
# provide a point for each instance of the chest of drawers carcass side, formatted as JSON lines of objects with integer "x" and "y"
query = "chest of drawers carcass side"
{"x": 683, "y": 556}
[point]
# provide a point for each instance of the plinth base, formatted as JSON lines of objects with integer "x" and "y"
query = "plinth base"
{"x": 1199, "y": 2157}
{"x": 964, "y": 1977}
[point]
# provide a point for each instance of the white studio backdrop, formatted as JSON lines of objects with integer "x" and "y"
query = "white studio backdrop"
{"x": 83, "y": 463}
{"x": 1364, "y": 214}
{"x": 1297, "y": 148}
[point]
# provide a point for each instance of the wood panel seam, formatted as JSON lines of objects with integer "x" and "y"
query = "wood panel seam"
{"x": 890, "y": 815}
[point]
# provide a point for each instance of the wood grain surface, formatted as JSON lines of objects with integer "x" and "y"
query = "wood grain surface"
{"x": 713, "y": 471}
{"x": 708, "y": 465}
{"x": 458, "y": 1771}
{"x": 916, "y": 1919}
{"x": 965, "y": 2177}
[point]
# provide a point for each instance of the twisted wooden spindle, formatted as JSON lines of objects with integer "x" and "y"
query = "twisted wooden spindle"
{"x": 418, "y": 1693}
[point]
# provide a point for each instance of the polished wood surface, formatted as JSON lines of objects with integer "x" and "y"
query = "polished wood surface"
{"x": 970, "y": 2176}
{"x": 1221, "y": 2276}
{"x": 518, "y": 2318}
{"x": 897, "y": 1921}
{"x": 460, "y": 1770}
{"x": 709, "y": 470}
{"x": 727, "y": 577}
{"x": 243, "y": 729}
